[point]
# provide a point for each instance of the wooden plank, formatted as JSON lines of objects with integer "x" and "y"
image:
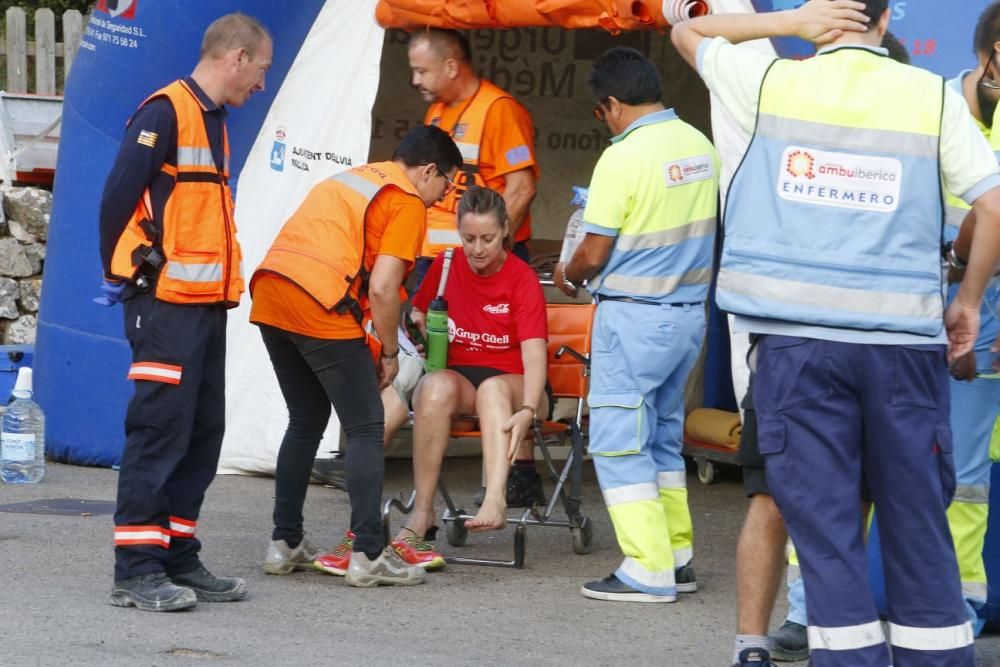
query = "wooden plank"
{"x": 45, "y": 52}
{"x": 60, "y": 48}
{"x": 72, "y": 22}
{"x": 17, "y": 52}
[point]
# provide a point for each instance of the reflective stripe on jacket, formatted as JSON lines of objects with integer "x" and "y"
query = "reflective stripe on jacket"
{"x": 664, "y": 250}
{"x": 197, "y": 234}
{"x": 442, "y": 227}
{"x": 321, "y": 248}
{"x": 834, "y": 217}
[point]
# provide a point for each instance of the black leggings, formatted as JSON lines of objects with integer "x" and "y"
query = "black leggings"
{"x": 313, "y": 375}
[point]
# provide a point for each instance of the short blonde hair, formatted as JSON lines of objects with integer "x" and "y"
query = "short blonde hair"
{"x": 233, "y": 31}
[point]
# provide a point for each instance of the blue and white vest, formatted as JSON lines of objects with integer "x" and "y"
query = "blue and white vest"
{"x": 834, "y": 218}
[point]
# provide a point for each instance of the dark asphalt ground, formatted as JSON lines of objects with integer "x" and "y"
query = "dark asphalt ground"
{"x": 57, "y": 573}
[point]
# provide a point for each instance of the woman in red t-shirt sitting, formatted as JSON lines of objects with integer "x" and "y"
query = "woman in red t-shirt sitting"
{"x": 496, "y": 365}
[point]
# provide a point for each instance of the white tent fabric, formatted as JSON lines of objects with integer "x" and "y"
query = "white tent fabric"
{"x": 318, "y": 125}
{"x": 731, "y": 142}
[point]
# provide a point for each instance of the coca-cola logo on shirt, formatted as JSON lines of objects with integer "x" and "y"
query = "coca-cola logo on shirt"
{"x": 497, "y": 309}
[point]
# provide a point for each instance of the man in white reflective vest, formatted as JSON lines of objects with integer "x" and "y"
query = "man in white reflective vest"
{"x": 648, "y": 251}
{"x": 832, "y": 257}
{"x": 975, "y": 385}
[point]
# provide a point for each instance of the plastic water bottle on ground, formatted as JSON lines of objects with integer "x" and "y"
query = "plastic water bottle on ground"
{"x": 22, "y": 436}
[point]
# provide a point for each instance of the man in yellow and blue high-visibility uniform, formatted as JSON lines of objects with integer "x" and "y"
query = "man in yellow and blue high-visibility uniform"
{"x": 975, "y": 385}
{"x": 832, "y": 257}
{"x": 648, "y": 253}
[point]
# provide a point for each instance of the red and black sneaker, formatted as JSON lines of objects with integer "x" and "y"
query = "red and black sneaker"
{"x": 338, "y": 560}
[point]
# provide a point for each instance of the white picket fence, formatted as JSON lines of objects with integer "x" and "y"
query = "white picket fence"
{"x": 43, "y": 52}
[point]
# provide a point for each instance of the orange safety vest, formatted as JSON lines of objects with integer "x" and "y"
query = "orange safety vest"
{"x": 202, "y": 261}
{"x": 467, "y": 131}
{"x": 321, "y": 248}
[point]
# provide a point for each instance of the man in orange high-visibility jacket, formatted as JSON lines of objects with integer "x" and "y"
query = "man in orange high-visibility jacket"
{"x": 170, "y": 255}
{"x": 491, "y": 129}
{"x": 339, "y": 261}
{"x": 495, "y": 135}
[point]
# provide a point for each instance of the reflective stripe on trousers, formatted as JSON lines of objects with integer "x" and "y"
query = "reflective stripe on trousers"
{"x": 812, "y": 397}
{"x": 641, "y": 357}
{"x": 975, "y": 407}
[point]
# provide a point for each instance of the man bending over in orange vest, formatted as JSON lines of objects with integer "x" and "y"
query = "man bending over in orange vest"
{"x": 331, "y": 279}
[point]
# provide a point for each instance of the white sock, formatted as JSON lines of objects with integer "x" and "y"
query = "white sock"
{"x": 748, "y": 641}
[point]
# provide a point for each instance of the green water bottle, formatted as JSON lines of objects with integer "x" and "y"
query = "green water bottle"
{"x": 437, "y": 323}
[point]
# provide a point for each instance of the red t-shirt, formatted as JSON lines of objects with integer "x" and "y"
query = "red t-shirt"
{"x": 488, "y": 316}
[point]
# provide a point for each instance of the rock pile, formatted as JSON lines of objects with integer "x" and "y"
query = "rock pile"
{"x": 24, "y": 226}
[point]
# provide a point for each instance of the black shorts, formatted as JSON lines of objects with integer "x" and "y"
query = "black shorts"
{"x": 480, "y": 374}
{"x": 477, "y": 374}
{"x": 754, "y": 475}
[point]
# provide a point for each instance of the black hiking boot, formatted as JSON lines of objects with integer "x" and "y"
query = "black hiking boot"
{"x": 210, "y": 588}
{"x": 152, "y": 591}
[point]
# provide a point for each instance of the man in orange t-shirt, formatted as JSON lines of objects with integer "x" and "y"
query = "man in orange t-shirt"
{"x": 492, "y": 130}
{"x": 310, "y": 317}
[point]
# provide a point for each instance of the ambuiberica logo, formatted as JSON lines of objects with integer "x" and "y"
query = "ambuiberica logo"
{"x": 693, "y": 169}
{"x": 842, "y": 180}
{"x": 801, "y": 163}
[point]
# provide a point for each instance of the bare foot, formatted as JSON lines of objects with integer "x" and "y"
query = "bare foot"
{"x": 492, "y": 516}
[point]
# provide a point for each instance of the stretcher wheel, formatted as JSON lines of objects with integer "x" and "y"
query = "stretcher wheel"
{"x": 457, "y": 533}
{"x": 583, "y": 537}
{"x": 706, "y": 470}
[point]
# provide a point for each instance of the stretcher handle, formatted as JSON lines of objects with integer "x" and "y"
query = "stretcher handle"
{"x": 565, "y": 349}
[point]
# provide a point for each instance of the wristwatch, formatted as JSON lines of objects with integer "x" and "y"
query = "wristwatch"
{"x": 953, "y": 260}
{"x": 391, "y": 356}
{"x": 534, "y": 413}
{"x": 566, "y": 281}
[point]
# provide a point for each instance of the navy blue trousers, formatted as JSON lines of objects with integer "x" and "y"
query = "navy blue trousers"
{"x": 173, "y": 433}
{"x": 827, "y": 414}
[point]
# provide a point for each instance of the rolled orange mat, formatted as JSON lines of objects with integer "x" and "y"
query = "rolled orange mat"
{"x": 718, "y": 427}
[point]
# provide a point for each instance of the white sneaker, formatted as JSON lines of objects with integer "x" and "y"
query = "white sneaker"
{"x": 282, "y": 559}
{"x": 388, "y": 570}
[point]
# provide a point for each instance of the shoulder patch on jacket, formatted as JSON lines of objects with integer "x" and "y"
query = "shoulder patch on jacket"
{"x": 147, "y": 138}
{"x": 518, "y": 154}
